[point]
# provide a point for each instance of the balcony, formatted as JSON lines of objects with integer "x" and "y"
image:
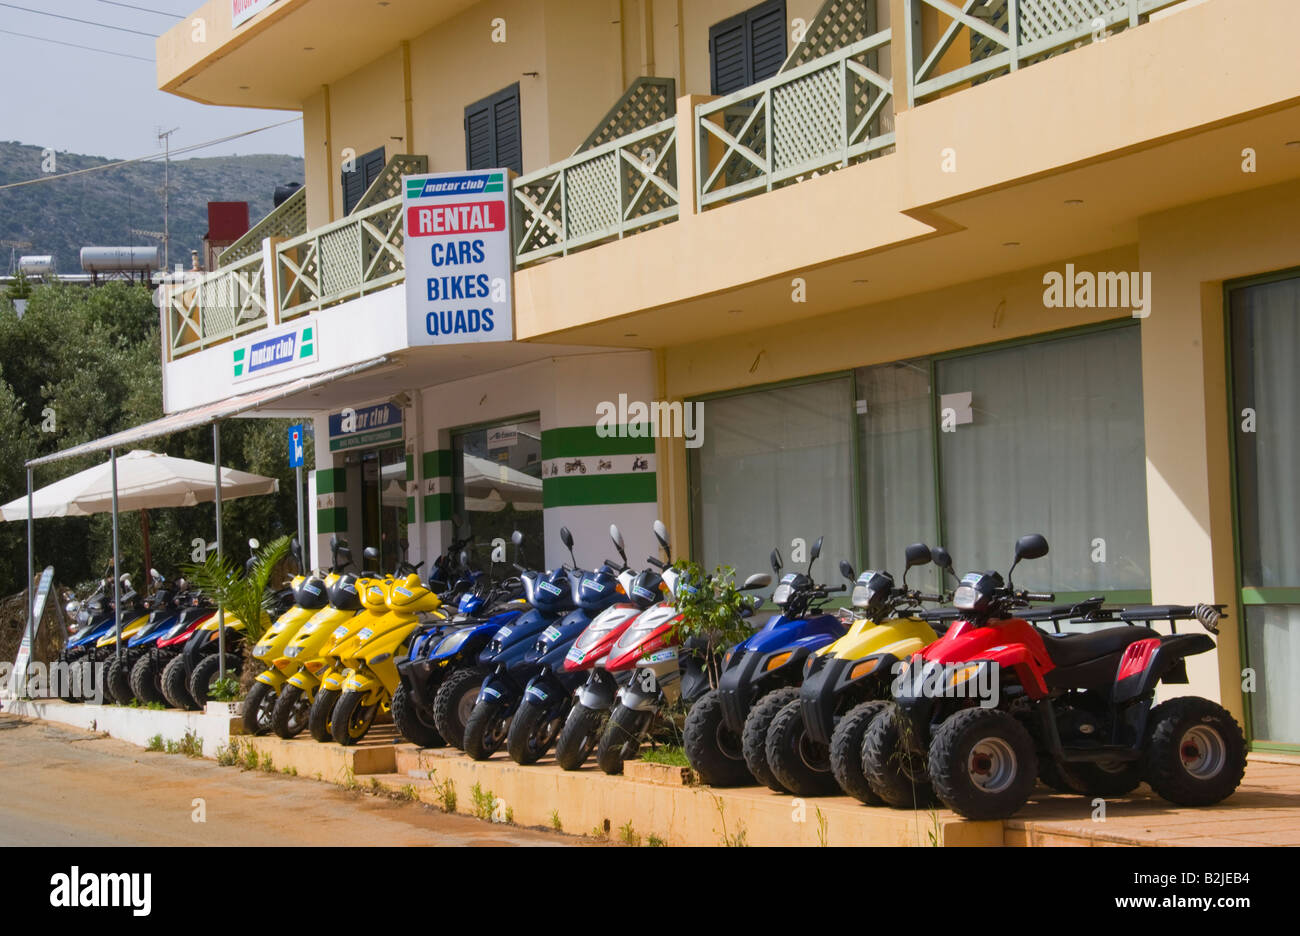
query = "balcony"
{"x": 830, "y": 108}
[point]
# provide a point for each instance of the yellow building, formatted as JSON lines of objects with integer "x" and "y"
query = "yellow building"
{"x": 948, "y": 270}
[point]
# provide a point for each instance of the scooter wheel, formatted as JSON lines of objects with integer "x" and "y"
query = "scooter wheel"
{"x": 983, "y": 764}
{"x": 206, "y": 672}
{"x": 531, "y": 733}
{"x": 146, "y": 680}
{"x": 1196, "y": 752}
{"x": 754, "y": 738}
{"x": 291, "y": 711}
{"x": 258, "y": 708}
{"x": 454, "y": 702}
{"x": 119, "y": 680}
{"x": 415, "y": 724}
{"x": 622, "y": 738}
{"x": 581, "y": 732}
{"x": 486, "y": 729}
{"x": 322, "y": 712}
{"x": 896, "y": 772}
{"x": 713, "y": 749}
{"x": 174, "y": 684}
{"x": 801, "y": 764}
{"x": 351, "y": 720}
{"x": 846, "y": 751}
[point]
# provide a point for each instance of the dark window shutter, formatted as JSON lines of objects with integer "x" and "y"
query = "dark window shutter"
{"x": 493, "y": 133}
{"x": 355, "y": 183}
{"x": 747, "y": 47}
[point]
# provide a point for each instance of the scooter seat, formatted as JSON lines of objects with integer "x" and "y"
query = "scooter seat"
{"x": 1072, "y": 649}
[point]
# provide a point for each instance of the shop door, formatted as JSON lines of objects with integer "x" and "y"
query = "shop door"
{"x": 383, "y": 503}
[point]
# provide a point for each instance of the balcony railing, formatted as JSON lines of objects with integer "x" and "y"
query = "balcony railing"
{"x": 1004, "y": 35}
{"x": 213, "y": 307}
{"x": 832, "y": 112}
{"x": 607, "y": 192}
{"x": 353, "y": 256}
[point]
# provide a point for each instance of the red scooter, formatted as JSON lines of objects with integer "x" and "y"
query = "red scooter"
{"x": 979, "y": 710}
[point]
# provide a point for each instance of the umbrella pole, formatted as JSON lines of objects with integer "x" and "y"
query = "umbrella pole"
{"x": 117, "y": 578}
{"x": 221, "y": 613}
{"x": 31, "y": 562}
{"x": 144, "y": 535}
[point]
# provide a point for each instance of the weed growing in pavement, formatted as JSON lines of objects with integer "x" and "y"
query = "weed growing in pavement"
{"x": 821, "y": 827}
{"x": 737, "y": 840}
{"x": 629, "y": 835}
{"x": 155, "y": 743}
{"x": 228, "y": 754}
{"x": 265, "y": 763}
{"x": 191, "y": 745}
{"x": 555, "y": 820}
{"x": 654, "y": 841}
{"x": 483, "y": 801}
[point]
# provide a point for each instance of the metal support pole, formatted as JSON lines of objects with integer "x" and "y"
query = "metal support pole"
{"x": 221, "y": 612}
{"x": 31, "y": 563}
{"x": 302, "y": 542}
{"x": 117, "y": 562}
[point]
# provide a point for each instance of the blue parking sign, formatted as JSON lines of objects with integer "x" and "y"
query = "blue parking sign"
{"x": 295, "y": 446}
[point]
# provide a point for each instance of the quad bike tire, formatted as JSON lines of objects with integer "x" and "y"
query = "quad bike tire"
{"x": 526, "y": 743}
{"x": 291, "y": 712}
{"x": 895, "y": 774}
{"x": 146, "y": 680}
{"x": 415, "y": 725}
{"x": 713, "y": 749}
{"x": 1195, "y": 752}
{"x": 322, "y": 714}
{"x": 259, "y": 706}
{"x": 983, "y": 763}
{"x": 621, "y": 739}
{"x": 175, "y": 684}
{"x": 205, "y": 674}
{"x": 70, "y": 660}
{"x": 846, "y": 751}
{"x": 118, "y": 681}
{"x": 754, "y": 738}
{"x": 352, "y": 719}
{"x": 449, "y": 715}
{"x": 794, "y": 760}
{"x": 484, "y": 734}
{"x": 579, "y": 736}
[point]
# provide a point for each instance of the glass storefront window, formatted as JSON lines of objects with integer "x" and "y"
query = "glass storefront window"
{"x": 497, "y": 488}
{"x": 775, "y": 466}
{"x": 1051, "y": 440}
{"x": 383, "y": 503}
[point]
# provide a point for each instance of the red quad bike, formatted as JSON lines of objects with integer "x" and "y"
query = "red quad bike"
{"x": 996, "y": 700}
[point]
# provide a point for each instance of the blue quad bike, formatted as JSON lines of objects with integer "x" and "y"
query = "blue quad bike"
{"x": 771, "y": 659}
{"x": 563, "y": 602}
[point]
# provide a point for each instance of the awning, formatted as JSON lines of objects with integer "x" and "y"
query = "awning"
{"x": 208, "y": 413}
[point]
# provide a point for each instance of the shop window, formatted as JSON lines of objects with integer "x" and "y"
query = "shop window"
{"x": 383, "y": 503}
{"x": 497, "y": 489}
{"x": 363, "y": 173}
{"x": 493, "y": 136}
{"x": 775, "y": 466}
{"x": 747, "y": 48}
{"x": 1265, "y": 334}
{"x": 1048, "y": 438}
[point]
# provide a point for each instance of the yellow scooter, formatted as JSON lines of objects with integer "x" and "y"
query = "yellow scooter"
{"x": 371, "y": 658}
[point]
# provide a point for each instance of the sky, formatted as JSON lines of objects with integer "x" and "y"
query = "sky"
{"x": 91, "y": 102}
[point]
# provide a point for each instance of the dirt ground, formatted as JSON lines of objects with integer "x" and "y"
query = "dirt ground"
{"x": 62, "y": 787}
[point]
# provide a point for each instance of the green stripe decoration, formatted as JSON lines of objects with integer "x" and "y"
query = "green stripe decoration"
{"x": 436, "y": 464}
{"x": 590, "y": 489}
{"x": 437, "y": 507}
{"x": 331, "y": 480}
{"x": 599, "y": 489}
{"x": 583, "y": 440}
{"x": 332, "y": 520}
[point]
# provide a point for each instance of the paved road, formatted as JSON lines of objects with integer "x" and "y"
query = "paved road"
{"x": 59, "y": 786}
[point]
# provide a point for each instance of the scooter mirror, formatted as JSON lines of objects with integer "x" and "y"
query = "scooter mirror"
{"x": 370, "y": 553}
{"x": 846, "y": 570}
{"x": 517, "y": 538}
{"x": 566, "y": 537}
{"x": 72, "y": 607}
{"x": 816, "y": 550}
{"x": 464, "y": 558}
{"x": 1031, "y": 546}
{"x": 617, "y": 536}
{"x": 941, "y": 558}
{"x": 661, "y": 534}
{"x": 776, "y": 561}
{"x": 295, "y": 549}
{"x": 757, "y": 580}
{"x": 917, "y": 554}
{"x": 253, "y": 543}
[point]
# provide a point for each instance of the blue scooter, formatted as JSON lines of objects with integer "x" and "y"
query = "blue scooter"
{"x": 770, "y": 659}
{"x": 162, "y": 615}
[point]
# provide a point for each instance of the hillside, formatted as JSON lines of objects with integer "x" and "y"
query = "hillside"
{"x": 60, "y": 217}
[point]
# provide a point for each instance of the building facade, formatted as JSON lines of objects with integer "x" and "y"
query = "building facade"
{"x": 941, "y": 271}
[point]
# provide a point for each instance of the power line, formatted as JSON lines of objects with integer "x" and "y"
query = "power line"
{"x": 131, "y": 6}
{"x": 73, "y": 19}
{"x": 73, "y": 45}
{"x": 150, "y": 158}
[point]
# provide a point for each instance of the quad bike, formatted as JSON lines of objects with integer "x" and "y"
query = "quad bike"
{"x": 982, "y": 707}
{"x": 100, "y": 651}
{"x": 801, "y": 749}
{"x": 667, "y": 670}
{"x": 563, "y": 602}
{"x": 590, "y": 705}
{"x": 770, "y": 660}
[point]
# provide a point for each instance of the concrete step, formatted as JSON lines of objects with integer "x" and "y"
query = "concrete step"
{"x": 332, "y": 762}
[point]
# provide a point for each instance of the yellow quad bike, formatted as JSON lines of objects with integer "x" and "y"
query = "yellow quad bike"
{"x": 371, "y": 658}
{"x": 332, "y": 671}
{"x": 310, "y": 595}
{"x": 814, "y": 739}
{"x": 303, "y": 661}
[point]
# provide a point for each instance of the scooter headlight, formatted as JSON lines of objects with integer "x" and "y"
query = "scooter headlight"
{"x": 779, "y": 660}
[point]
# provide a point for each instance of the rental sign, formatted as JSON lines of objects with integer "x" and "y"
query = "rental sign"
{"x": 458, "y": 258}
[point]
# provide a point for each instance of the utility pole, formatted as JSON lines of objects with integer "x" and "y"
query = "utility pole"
{"x": 166, "y": 137}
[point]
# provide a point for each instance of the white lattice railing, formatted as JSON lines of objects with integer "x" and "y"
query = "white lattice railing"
{"x": 349, "y": 258}
{"x": 1004, "y": 35}
{"x": 832, "y": 112}
{"x": 207, "y": 308}
{"x": 607, "y": 192}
